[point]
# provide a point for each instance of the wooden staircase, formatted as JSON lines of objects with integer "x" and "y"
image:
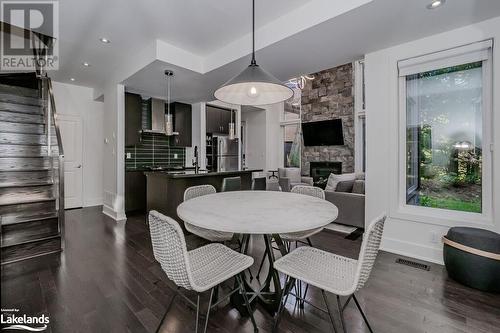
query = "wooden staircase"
{"x": 31, "y": 177}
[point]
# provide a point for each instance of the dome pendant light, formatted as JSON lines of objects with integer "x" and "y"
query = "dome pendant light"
{"x": 169, "y": 125}
{"x": 254, "y": 85}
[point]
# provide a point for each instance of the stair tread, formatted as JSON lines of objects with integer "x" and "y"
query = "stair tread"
{"x": 28, "y": 219}
{"x": 26, "y": 184}
{"x": 30, "y": 239}
{"x": 21, "y": 118}
{"x": 25, "y": 151}
{"x": 18, "y": 91}
{"x": 37, "y": 163}
{"x": 22, "y": 128}
{"x": 25, "y": 201}
{"x": 21, "y": 108}
{"x": 28, "y": 212}
{"x": 23, "y": 139}
{"x": 20, "y": 99}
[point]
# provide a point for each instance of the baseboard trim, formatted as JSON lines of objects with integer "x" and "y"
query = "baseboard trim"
{"x": 117, "y": 216}
{"x": 413, "y": 250}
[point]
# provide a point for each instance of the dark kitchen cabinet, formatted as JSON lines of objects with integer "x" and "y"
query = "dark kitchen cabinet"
{"x": 212, "y": 120}
{"x": 182, "y": 114}
{"x": 133, "y": 119}
{"x": 225, "y": 120}
{"x": 135, "y": 191}
{"x": 217, "y": 120}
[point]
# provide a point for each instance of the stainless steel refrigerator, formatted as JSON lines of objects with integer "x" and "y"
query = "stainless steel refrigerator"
{"x": 225, "y": 153}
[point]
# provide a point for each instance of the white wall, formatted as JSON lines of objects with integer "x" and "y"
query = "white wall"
{"x": 274, "y": 141}
{"x": 255, "y": 155}
{"x": 415, "y": 236}
{"x": 264, "y": 137}
{"x": 78, "y": 101}
{"x": 114, "y": 151}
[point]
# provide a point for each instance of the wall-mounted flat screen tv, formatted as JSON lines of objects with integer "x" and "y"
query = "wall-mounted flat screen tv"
{"x": 323, "y": 133}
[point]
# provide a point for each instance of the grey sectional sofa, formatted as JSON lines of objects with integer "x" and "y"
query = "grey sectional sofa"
{"x": 351, "y": 205}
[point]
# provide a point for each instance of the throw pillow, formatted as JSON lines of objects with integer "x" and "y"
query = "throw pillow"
{"x": 360, "y": 176}
{"x": 293, "y": 174}
{"x": 345, "y": 186}
{"x": 358, "y": 186}
{"x": 334, "y": 179}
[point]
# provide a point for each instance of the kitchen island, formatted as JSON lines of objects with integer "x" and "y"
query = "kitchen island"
{"x": 165, "y": 189}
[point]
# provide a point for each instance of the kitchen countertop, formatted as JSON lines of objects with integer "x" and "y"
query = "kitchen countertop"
{"x": 192, "y": 174}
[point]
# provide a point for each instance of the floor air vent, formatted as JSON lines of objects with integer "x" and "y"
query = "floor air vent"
{"x": 413, "y": 264}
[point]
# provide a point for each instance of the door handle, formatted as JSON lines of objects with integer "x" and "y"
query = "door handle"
{"x": 79, "y": 166}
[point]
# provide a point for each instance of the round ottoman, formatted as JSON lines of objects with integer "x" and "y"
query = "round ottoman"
{"x": 472, "y": 257}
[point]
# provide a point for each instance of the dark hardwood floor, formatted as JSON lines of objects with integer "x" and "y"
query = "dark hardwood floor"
{"x": 106, "y": 280}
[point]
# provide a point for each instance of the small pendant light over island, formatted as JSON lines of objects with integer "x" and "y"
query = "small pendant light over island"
{"x": 169, "y": 125}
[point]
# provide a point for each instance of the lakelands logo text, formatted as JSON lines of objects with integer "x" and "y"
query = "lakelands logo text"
{"x": 12, "y": 321}
{"x": 29, "y": 33}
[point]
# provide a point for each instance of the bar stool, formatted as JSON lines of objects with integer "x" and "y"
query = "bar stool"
{"x": 231, "y": 184}
{"x": 259, "y": 184}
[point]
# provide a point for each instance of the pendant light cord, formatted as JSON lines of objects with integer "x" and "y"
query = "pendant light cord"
{"x": 253, "y": 34}
{"x": 168, "y": 94}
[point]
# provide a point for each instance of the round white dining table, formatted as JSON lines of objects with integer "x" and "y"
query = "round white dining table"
{"x": 257, "y": 212}
{"x": 268, "y": 213}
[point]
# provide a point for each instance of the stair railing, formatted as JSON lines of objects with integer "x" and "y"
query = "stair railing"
{"x": 47, "y": 94}
{"x": 52, "y": 115}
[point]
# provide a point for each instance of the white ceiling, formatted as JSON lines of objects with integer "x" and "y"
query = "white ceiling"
{"x": 199, "y": 27}
{"x": 204, "y": 28}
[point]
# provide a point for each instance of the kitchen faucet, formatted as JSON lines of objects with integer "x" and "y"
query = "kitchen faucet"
{"x": 196, "y": 163}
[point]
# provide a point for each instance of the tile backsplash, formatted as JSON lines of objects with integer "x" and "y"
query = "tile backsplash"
{"x": 154, "y": 150}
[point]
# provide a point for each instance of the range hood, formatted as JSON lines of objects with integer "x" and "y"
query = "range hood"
{"x": 157, "y": 118}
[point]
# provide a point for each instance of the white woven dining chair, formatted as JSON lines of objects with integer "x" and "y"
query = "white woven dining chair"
{"x": 304, "y": 235}
{"x": 300, "y": 236}
{"x": 332, "y": 273}
{"x": 199, "y": 270}
{"x": 211, "y": 235}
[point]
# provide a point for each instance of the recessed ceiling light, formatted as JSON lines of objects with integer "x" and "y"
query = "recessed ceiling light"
{"x": 104, "y": 40}
{"x": 72, "y": 79}
{"x": 435, "y": 4}
{"x": 86, "y": 64}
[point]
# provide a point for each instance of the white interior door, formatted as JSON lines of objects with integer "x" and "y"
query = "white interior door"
{"x": 71, "y": 133}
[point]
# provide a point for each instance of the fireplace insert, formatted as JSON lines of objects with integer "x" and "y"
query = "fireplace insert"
{"x": 320, "y": 171}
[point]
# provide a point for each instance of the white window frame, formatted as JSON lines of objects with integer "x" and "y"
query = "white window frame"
{"x": 480, "y": 51}
{"x": 359, "y": 114}
{"x": 284, "y": 123}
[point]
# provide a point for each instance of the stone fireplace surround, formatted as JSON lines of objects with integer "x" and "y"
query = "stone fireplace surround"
{"x": 328, "y": 96}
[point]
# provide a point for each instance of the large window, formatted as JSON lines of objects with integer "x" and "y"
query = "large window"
{"x": 291, "y": 148}
{"x": 446, "y": 150}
